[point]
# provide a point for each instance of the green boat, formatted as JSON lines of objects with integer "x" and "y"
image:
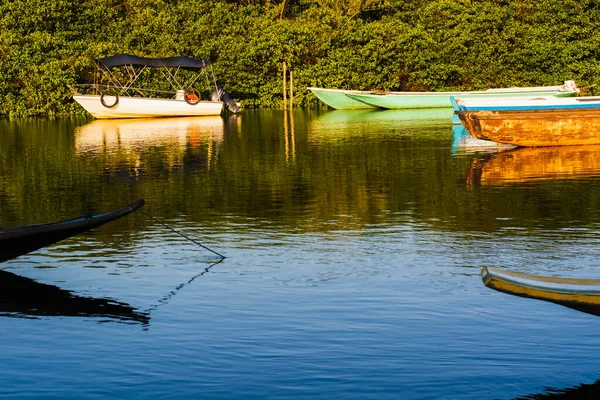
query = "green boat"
{"x": 337, "y": 99}
{"x": 401, "y": 100}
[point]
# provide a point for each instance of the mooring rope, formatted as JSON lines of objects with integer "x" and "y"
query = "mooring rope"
{"x": 184, "y": 236}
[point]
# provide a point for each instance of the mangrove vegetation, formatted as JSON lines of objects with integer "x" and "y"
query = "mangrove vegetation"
{"x": 353, "y": 44}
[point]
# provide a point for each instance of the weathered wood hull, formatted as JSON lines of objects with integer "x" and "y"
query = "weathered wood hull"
{"x": 546, "y": 127}
{"x": 579, "y": 294}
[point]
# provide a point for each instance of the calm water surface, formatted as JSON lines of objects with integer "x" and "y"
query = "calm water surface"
{"x": 354, "y": 243}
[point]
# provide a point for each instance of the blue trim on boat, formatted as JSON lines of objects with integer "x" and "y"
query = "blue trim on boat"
{"x": 454, "y": 103}
{"x": 532, "y": 107}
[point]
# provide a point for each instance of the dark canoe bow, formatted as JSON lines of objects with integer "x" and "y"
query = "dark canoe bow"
{"x": 579, "y": 294}
{"x": 19, "y": 240}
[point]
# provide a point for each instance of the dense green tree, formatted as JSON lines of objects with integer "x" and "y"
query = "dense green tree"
{"x": 378, "y": 44}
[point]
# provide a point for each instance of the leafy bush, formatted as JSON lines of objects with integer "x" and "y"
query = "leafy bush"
{"x": 390, "y": 45}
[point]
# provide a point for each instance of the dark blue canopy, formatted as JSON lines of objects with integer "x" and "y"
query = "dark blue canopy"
{"x": 169, "y": 62}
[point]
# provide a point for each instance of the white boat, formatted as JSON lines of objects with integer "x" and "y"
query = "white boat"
{"x": 115, "y": 96}
{"x": 143, "y": 107}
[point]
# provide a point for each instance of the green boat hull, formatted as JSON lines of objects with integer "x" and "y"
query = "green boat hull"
{"x": 338, "y": 100}
{"x": 408, "y": 100}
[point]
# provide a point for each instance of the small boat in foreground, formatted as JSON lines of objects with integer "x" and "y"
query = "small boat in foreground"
{"x": 579, "y": 294}
{"x": 20, "y": 240}
{"x": 117, "y": 98}
{"x": 532, "y": 122}
{"x": 402, "y": 100}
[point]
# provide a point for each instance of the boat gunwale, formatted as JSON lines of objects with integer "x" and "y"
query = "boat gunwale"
{"x": 483, "y": 93}
{"x": 13, "y": 232}
{"x": 569, "y": 286}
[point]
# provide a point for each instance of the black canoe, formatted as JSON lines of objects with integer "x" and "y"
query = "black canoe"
{"x": 19, "y": 240}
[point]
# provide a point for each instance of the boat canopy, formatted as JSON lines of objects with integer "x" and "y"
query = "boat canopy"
{"x": 182, "y": 62}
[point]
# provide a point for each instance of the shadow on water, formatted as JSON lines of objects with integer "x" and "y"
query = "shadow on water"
{"x": 22, "y": 297}
{"x": 583, "y": 391}
{"x": 25, "y": 298}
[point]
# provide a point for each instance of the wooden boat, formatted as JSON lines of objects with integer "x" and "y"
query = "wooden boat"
{"x": 119, "y": 99}
{"x": 401, "y": 100}
{"x": 535, "y": 164}
{"x": 19, "y": 240}
{"x": 337, "y": 99}
{"x": 533, "y": 122}
{"x": 579, "y": 294}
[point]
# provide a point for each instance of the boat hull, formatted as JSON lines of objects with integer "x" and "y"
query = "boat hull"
{"x": 338, "y": 100}
{"x": 142, "y": 107}
{"x": 579, "y": 294}
{"x": 535, "y": 128}
{"x": 20, "y": 240}
{"x": 402, "y": 100}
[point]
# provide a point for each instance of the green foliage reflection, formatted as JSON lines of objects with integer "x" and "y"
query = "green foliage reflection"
{"x": 387, "y": 44}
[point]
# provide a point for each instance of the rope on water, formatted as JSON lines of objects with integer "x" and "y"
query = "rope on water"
{"x": 184, "y": 236}
{"x": 173, "y": 292}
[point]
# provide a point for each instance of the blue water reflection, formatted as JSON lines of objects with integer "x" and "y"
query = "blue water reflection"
{"x": 353, "y": 245}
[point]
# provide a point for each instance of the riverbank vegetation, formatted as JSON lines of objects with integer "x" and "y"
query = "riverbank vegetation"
{"x": 353, "y": 44}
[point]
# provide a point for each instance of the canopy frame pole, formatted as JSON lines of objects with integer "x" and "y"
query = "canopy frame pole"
{"x": 192, "y": 81}
{"x": 133, "y": 77}
{"x": 132, "y": 71}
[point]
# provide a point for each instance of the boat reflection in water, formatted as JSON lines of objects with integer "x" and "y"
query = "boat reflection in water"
{"x": 26, "y": 298}
{"x": 339, "y": 124}
{"x": 530, "y": 164}
{"x": 404, "y": 117}
{"x": 463, "y": 143}
{"x": 132, "y": 135}
{"x": 583, "y": 391}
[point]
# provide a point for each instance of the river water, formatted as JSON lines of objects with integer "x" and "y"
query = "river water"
{"x": 353, "y": 241}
